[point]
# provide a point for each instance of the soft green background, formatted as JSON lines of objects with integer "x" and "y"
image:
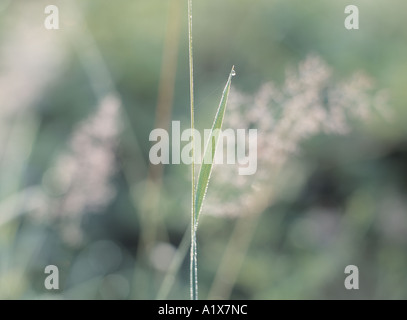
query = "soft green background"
{"x": 363, "y": 174}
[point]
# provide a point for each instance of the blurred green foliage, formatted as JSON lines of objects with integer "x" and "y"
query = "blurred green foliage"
{"x": 341, "y": 201}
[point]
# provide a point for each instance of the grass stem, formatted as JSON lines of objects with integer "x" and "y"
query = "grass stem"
{"x": 193, "y": 258}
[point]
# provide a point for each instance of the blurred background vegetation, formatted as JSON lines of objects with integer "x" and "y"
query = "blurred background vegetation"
{"x": 77, "y": 191}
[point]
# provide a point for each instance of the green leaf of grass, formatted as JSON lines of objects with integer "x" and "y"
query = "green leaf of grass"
{"x": 209, "y": 154}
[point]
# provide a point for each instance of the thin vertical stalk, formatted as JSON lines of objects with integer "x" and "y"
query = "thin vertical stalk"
{"x": 193, "y": 258}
